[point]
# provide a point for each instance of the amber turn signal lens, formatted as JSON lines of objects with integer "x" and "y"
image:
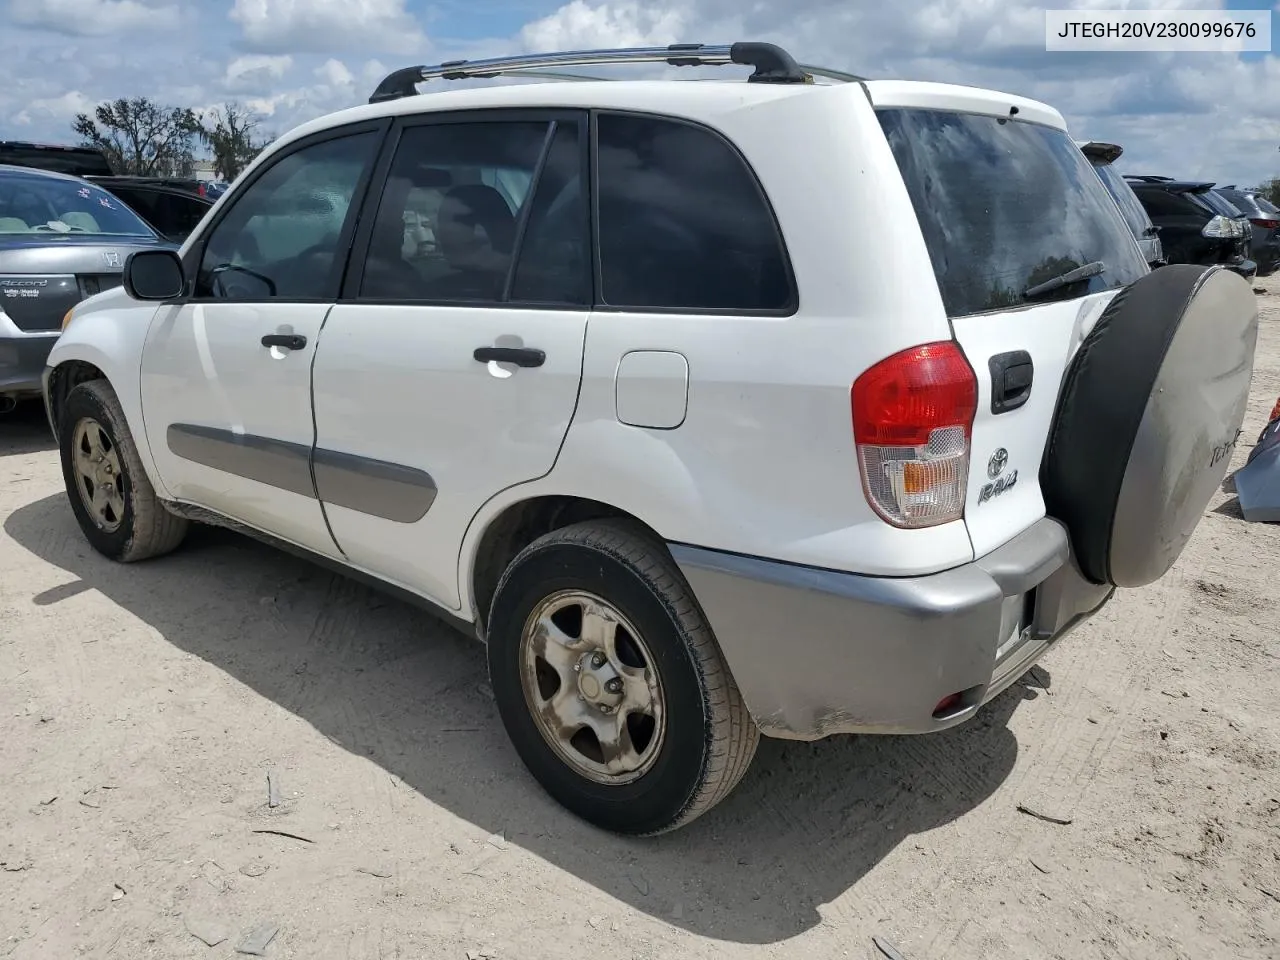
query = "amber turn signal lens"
{"x": 66, "y": 318}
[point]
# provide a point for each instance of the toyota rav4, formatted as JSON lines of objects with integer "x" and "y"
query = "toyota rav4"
{"x": 800, "y": 406}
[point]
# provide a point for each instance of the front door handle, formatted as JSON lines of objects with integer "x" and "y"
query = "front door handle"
{"x": 290, "y": 341}
{"x": 520, "y": 356}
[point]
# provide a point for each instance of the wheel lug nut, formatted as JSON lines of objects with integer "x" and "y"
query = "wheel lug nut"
{"x": 577, "y": 668}
{"x": 614, "y": 685}
{"x": 597, "y": 660}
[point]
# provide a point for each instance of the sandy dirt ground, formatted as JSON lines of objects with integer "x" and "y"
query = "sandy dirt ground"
{"x": 144, "y": 708}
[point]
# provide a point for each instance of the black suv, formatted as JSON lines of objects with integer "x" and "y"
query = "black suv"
{"x": 172, "y": 205}
{"x": 76, "y": 161}
{"x": 1197, "y": 224}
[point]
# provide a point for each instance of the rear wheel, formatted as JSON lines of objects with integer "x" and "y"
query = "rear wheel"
{"x": 110, "y": 494}
{"x": 610, "y": 684}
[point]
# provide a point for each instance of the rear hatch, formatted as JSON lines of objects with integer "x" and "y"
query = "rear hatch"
{"x": 1008, "y": 207}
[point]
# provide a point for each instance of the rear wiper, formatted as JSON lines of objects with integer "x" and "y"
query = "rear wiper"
{"x": 1062, "y": 280}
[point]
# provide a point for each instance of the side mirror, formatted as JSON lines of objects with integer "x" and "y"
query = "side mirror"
{"x": 154, "y": 275}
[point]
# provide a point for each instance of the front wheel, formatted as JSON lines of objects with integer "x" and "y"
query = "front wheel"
{"x": 110, "y": 494}
{"x": 610, "y": 683}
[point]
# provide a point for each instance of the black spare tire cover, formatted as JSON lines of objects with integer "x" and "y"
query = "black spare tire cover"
{"x": 1149, "y": 414}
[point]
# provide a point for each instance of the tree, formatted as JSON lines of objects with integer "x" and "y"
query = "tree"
{"x": 140, "y": 136}
{"x": 231, "y": 133}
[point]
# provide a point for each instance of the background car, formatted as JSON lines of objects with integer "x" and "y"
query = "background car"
{"x": 61, "y": 239}
{"x": 172, "y": 206}
{"x": 1103, "y": 157}
{"x": 1197, "y": 225}
{"x": 1264, "y": 221}
{"x": 77, "y": 161}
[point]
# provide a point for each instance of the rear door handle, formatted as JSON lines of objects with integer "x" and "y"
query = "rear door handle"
{"x": 1011, "y": 377}
{"x": 520, "y": 356}
{"x": 290, "y": 341}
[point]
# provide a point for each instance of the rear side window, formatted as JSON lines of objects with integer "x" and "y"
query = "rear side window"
{"x": 1005, "y": 205}
{"x": 1160, "y": 202}
{"x": 684, "y": 224}
{"x": 1130, "y": 208}
{"x": 1243, "y": 202}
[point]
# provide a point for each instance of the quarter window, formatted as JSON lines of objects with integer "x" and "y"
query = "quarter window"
{"x": 279, "y": 239}
{"x": 683, "y": 222}
{"x": 460, "y": 207}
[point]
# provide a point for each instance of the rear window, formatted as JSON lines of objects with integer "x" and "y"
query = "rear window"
{"x": 1130, "y": 208}
{"x": 1005, "y": 205}
{"x": 1243, "y": 202}
{"x": 1220, "y": 204}
{"x": 48, "y": 206}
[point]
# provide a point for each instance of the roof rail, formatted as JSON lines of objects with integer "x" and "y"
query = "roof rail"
{"x": 772, "y": 65}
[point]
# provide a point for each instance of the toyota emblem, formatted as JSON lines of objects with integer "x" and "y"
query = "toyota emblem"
{"x": 996, "y": 465}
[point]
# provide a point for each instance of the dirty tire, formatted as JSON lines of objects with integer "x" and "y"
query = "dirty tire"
{"x": 1148, "y": 416}
{"x": 710, "y": 737}
{"x": 147, "y": 528}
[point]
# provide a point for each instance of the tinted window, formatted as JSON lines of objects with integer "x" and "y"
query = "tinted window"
{"x": 1163, "y": 203}
{"x": 448, "y": 222}
{"x": 52, "y": 206}
{"x": 1243, "y": 202}
{"x": 1266, "y": 206}
{"x": 171, "y": 213}
{"x": 1005, "y": 205}
{"x": 280, "y": 235}
{"x": 1134, "y": 215}
{"x": 1221, "y": 204}
{"x": 683, "y": 222}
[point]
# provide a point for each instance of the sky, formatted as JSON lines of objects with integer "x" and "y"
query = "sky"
{"x": 1210, "y": 116}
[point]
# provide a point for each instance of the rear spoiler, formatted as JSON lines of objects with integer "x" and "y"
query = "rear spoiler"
{"x": 1097, "y": 150}
{"x": 1178, "y": 186}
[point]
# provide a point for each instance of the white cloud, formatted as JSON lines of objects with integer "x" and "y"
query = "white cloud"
{"x": 580, "y": 25}
{"x": 335, "y": 74}
{"x": 95, "y": 17}
{"x": 328, "y": 25}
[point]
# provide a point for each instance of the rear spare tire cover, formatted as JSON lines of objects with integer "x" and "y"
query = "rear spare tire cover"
{"x": 1149, "y": 414}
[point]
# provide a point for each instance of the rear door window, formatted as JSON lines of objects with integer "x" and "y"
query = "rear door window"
{"x": 1006, "y": 205}
{"x": 684, "y": 225}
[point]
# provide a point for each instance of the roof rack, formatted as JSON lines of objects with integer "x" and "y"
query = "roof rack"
{"x": 772, "y": 65}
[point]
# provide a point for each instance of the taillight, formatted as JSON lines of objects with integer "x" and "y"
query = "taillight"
{"x": 912, "y": 422}
{"x": 1220, "y": 228}
{"x": 1264, "y": 223}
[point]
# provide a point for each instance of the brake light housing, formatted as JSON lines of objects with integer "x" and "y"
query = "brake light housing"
{"x": 913, "y": 418}
{"x": 1265, "y": 223}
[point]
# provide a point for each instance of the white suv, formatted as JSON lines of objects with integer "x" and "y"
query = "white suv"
{"x": 715, "y": 409}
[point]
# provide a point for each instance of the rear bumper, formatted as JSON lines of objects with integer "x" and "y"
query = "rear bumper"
{"x": 22, "y": 358}
{"x": 1246, "y": 268}
{"x": 818, "y": 652}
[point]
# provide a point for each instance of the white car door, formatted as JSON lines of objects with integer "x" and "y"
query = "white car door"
{"x": 226, "y": 375}
{"x": 449, "y": 370}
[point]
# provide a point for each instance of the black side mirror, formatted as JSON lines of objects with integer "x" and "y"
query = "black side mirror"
{"x": 154, "y": 275}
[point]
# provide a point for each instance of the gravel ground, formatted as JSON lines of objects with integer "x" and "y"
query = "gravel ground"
{"x": 143, "y": 709}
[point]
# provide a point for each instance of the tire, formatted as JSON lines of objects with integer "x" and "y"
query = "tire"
{"x": 135, "y": 525}
{"x": 704, "y": 740}
{"x": 1149, "y": 413}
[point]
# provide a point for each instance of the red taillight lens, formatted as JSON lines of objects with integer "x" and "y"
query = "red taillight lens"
{"x": 1275, "y": 412}
{"x": 1264, "y": 223}
{"x": 912, "y": 419}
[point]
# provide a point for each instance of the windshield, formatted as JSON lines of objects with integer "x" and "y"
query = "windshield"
{"x": 1130, "y": 207}
{"x": 1006, "y": 205}
{"x": 51, "y": 206}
